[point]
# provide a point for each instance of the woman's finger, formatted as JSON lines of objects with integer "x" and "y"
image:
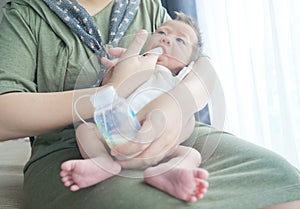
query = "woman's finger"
{"x": 137, "y": 44}
{"x": 153, "y": 127}
{"x": 109, "y": 63}
{"x": 117, "y": 51}
{"x": 153, "y": 154}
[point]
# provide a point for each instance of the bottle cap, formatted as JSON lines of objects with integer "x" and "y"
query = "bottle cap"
{"x": 103, "y": 97}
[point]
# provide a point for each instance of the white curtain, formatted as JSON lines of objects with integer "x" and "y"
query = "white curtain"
{"x": 254, "y": 46}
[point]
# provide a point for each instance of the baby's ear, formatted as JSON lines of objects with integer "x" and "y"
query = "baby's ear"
{"x": 197, "y": 51}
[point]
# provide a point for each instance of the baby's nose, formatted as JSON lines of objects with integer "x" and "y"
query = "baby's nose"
{"x": 166, "y": 40}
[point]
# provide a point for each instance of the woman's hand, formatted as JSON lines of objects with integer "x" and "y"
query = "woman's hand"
{"x": 116, "y": 52}
{"x": 169, "y": 119}
{"x": 165, "y": 124}
{"x": 111, "y": 63}
{"x": 131, "y": 69}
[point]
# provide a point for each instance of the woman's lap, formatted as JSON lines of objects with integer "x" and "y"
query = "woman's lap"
{"x": 242, "y": 175}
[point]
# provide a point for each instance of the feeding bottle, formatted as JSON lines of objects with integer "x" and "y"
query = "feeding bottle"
{"x": 114, "y": 118}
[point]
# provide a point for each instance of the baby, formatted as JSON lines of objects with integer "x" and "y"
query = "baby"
{"x": 178, "y": 174}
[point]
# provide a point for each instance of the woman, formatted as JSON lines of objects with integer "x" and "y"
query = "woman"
{"x": 40, "y": 60}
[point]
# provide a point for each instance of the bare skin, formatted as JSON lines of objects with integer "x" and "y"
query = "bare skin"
{"x": 78, "y": 174}
{"x": 178, "y": 179}
{"x": 183, "y": 183}
{"x": 94, "y": 6}
{"x": 97, "y": 165}
{"x": 178, "y": 175}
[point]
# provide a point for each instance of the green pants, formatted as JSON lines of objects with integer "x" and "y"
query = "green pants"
{"x": 242, "y": 176}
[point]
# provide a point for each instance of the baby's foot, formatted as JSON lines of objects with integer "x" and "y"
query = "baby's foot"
{"x": 185, "y": 184}
{"x": 78, "y": 174}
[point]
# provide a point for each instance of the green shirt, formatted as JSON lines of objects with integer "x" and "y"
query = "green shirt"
{"x": 39, "y": 53}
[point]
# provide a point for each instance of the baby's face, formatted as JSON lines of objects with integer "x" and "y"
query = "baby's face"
{"x": 177, "y": 39}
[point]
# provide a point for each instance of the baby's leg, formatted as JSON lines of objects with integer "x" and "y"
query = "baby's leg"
{"x": 179, "y": 175}
{"x": 97, "y": 165}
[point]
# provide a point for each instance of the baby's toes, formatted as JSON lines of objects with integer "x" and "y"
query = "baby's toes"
{"x": 64, "y": 173}
{"x": 199, "y": 195}
{"x": 201, "y": 184}
{"x": 201, "y": 188}
{"x": 201, "y": 173}
{"x": 67, "y": 181}
{"x": 192, "y": 199}
{"x": 74, "y": 188}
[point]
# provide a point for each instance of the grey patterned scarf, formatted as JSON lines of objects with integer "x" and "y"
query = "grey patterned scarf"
{"x": 82, "y": 24}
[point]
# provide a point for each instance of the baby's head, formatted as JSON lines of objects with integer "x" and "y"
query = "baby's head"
{"x": 180, "y": 40}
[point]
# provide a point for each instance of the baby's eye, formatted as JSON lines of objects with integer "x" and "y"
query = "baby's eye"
{"x": 180, "y": 40}
{"x": 161, "y": 33}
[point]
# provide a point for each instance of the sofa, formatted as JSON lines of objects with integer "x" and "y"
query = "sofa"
{"x": 13, "y": 155}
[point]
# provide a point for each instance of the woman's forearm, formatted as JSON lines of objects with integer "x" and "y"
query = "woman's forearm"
{"x": 29, "y": 114}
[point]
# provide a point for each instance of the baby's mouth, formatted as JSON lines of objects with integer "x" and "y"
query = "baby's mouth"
{"x": 158, "y": 50}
